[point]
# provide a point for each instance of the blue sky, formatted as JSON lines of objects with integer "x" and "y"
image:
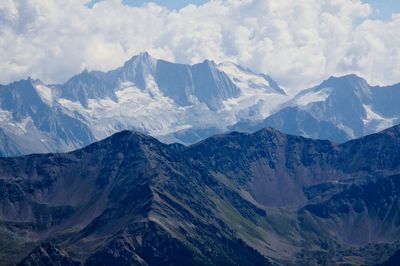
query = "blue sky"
{"x": 171, "y": 4}
{"x": 383, "y": 8}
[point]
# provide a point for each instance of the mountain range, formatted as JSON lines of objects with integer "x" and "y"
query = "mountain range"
{"x": 185, "y": 104}
{"x": 339, "y": 109}
{"x": 263, "y": 198}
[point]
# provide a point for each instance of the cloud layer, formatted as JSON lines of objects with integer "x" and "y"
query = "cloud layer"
{"x": 298, "y": 43}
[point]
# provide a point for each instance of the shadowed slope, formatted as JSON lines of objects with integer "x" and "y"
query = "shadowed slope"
{"x": 231, "y": 199}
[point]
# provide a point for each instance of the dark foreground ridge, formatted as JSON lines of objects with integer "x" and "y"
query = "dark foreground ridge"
{"x": 235, "y": 199}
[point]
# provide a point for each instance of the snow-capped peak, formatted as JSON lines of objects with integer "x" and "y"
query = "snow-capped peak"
{"x": 181, "y": 102}
{"x": 249, "y": 80}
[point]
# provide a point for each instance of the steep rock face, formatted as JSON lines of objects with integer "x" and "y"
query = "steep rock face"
{"x": 7, "y": 146}
{"x": 238, "y": 198}
{"x": 175, "y": 80}
{"x": 345, "y": 207}
{"x": 275, "y": 166}
{"x": 31, "y": 122}
{"x": 295, "y": 121}
{"x": 362, "y": 214}
{"x": 47, "y": 254}
{"x": 379, "y": 156}
{"x": 186, "y": 104}
{"x": 184, "y": 84}
{"x": 175, "y": 102}
{"x": 339, "y": 109}
{"x": 99, "y": 85}
{"x": 211, "y": 85}
{"x": 128, "y": 187}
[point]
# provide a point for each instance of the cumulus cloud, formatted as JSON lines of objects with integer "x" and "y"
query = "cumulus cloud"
{"x": 298, "y": 43}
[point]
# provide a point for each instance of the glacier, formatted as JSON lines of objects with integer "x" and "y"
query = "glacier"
{"x": 184, "y": 103}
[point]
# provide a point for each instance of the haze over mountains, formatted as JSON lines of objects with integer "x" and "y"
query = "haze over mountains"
{"x": 234, "y": 199}
{"x": 184, "y": 103}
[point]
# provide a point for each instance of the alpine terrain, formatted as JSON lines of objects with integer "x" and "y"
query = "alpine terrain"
{"x": 185, "y": 104}
{"x": 264, "y": 198}
{"x": 339, "y": 109}
{"x": 175, "y": 102}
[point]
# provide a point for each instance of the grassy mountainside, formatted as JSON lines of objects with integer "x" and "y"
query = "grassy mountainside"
{"x": 234, "y": 199}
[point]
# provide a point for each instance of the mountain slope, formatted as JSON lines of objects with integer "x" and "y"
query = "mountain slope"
{"x": 7, "y": 146}
{"x": 31, "y": 122}
{"x": 339, "y": 109}
{"x": 47, "y": 254}
{"x": 247, "y": 199}
{"x": 184, "y": 103}
{"x": 124, "y": 188}
{"x": 175, "y": 102}
{"x": 203, "y": 82}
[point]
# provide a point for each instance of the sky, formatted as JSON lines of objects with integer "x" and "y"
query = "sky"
{"x": 297, "y": 43}
{"x": 383, "y": 9}
{"x": 170, "y": 4}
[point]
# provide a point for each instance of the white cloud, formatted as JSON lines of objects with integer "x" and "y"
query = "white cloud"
{"x": 298, "y": 42}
